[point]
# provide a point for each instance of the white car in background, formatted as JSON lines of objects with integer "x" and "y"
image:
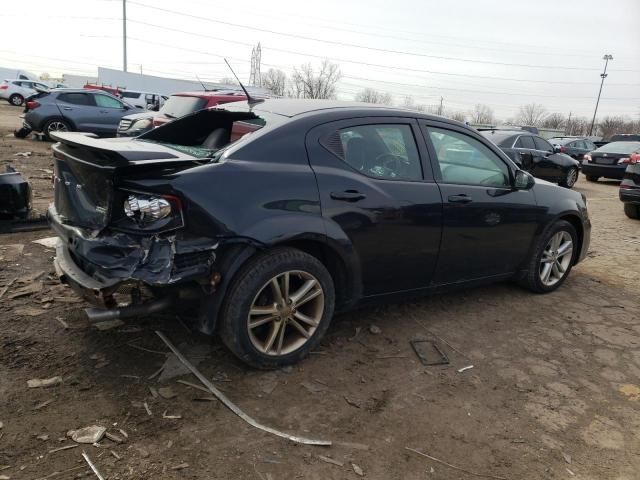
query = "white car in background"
{"x": 146, "y": 100}
{"x": 15, "y": 91}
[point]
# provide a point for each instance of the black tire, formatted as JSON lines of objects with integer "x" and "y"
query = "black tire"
{"x": 530, "y": 277}
{"x": 592, "y": 178}
{"x": 245, "y": 288}
{"x": 16, "y": 100}
{"x": 51, "y": 126}
{"x": 632, "y": 210}
{"x": 570, "y": 178}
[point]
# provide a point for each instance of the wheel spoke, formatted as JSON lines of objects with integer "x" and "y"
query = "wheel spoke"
{"x": 299, "y": 327}
{"x": 273, "y": 334}
{"x": 565, "y": 248}
{"x": 546, "y": 257}
{"x": 304, "y": 289}
{"x": 268, "y": 310}
{"x": 546, "y": 271}
{"x": 277, "y": 293}
{"x": 559, "y": 267}
{"x": 285, "y": 286}
{"x": 306, "y": 319}
{"x": 555, "y": 241}
{"x": 261, "y": 321}
{"x": 309, "y": 296}
{"x": 281, "y": 337}
{"x": 555, "y": 271}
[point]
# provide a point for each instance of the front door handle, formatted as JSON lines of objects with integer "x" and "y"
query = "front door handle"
{"x": 462, "y": 198}
{"x": 67, "y": 108}
{"x": 348, "y": 195}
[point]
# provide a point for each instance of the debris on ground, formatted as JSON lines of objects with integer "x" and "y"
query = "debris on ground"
{"x": 113, "y": 437}
{"x": 331, "y": 460}
{"x": 146, "y": 407}
{"x": 22, "y": 154}
{"x": 567, "y": 457}
{"x": 28, "y": 289}
{"x": 92, "y": 466}
{"x": 352, "y": 402}
{"x": 43, "y": 404}
{"x": 59, "y": 449}
{"x": 460, "y": 469}
{"x": 463, "y": 369}
{"x": 172, "y": 367}
{"x": 29, "y": 311}
{"x": 167, "y": 393}
{"x": 171, "y": 417}
{"x": 92, "y": 434}
{"x": 44, "y": 382}
{"x": 314, "y": 387}
{"x": 48, "y": 242}
{"x": 180, "y": 466}
{"x": 230, "y": 405}
{"x": 374, "y": 330}
{"x": 425, "y": 350}
{"x": 64, "y": 324}
{"x": 358, "y": 470}
{"x": 108, "y": 324}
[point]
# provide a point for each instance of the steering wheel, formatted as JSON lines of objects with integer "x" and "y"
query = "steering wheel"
{"x": 390, "y": 165}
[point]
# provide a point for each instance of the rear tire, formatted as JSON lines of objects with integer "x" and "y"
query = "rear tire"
{"x": 632, "y": 210}
{"x": 570, "y": 178}
{"x": 55, "y": 125}
{"x": 16, "y": 100}
{"x": 550, "y": 263}
{"x": 592, "y": 178}
{"x": 266, "y": 329}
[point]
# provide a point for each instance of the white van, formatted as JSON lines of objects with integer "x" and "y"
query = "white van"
{"x": 148, "y": 100}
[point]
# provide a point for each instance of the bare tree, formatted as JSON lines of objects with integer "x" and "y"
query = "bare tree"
{"x": 371, "y": 95}
{"x": 228, "y": 81}
{"x": 554, "y": 120}
{"x": 458, "y": 116}
{"x": 45, "y": 76}
{"x": 276, "y": 81}
{"x": 532, "y": 115}
{"x": 578, "y": 126}
{"x": 482, "y": 114}
{"x": 306, "y": 83}
{"x": 410, "y": 103}
{"x": 610, "y": 125}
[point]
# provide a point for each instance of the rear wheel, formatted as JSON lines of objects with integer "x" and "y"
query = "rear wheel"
{"x": 55, "y": 125}
{"x": 570, "y": 178}
{"x": 632, "y": 210}
{"x": 552, "y": 258}
{"x": 16, "y": 100}
{"x": 592, "y": 178}
{"x": 278, "y": 308}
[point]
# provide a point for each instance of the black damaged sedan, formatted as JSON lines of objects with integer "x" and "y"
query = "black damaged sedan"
{"x": 263, "y": 220}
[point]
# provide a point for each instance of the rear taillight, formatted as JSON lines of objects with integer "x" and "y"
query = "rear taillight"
{"x": 586, "y": 158}
{"x": 32, "y": 104}
{"x": 563, "y": 149}
{"x": 634, "y": 159}
{"x": 4, "y": 87}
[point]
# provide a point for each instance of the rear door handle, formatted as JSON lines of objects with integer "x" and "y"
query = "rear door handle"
{"x": 462, "y": 198}
{"x": 67, "y": 108}
{"x": 348, "y": 195}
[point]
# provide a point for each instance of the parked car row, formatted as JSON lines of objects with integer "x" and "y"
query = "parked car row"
{"x": 17, "y": 91}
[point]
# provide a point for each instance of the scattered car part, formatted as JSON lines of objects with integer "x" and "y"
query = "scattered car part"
{"x": 424, "y": 353}
{"x": 15, "y": 195}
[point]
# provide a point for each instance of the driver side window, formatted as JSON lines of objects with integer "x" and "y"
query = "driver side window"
{"x": 387, "y": 152}
{"x": 465, "y": 160}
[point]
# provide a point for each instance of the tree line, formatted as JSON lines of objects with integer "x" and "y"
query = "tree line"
{"x": 321, "y": 83}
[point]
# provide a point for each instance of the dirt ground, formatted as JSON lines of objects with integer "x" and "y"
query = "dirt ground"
{"x": 554, "y": 391}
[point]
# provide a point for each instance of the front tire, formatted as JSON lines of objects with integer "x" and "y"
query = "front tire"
{"x": 570, "y": 178}
{"x": 592, "y": 178}
{"x": 551, "y": 259}
{"x": 278, "y": 308}
{"x": 16, "y": 100}
{"x": 632, "y": 210}
{"x": 55, "y": 125}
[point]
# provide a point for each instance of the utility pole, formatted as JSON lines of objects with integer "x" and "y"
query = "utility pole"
{"x": 124, "y": 35}
{"x": 440, "y": 107}
{"x": 568, "y": 128}
{"x": 606, "y": 59}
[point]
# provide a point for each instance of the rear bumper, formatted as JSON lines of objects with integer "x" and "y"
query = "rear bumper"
{"x": 608, "y": 171}
{"x": 629, "y": 195}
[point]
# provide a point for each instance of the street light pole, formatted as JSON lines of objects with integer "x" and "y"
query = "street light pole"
{"x": 124, "y": 35}
{"x": 606, "y": 59}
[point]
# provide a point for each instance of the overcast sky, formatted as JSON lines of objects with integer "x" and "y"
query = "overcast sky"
{"x": 498, "y": 52}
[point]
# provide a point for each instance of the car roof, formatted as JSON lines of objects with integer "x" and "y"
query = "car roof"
{"x": 209, "y": 93}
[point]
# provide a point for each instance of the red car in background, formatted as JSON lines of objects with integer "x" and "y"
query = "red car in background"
{"x": 178, "y": 105}
{"x": 115, "y": 91}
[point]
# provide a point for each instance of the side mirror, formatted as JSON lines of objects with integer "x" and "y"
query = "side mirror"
{"x": 523, "y": 180}
{"x": 556, "y": 149}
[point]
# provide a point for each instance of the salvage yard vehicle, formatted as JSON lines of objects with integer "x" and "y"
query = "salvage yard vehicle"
{"x": 536, "y": 155}
{"x": 610, "y": 160}
{"x": 178, "y": 105}
{"x": 81, "y": 110}
{"x": 269, "y": 216}
{"x": 16, "y": 91}
{"x": 630, "y": 187}
{"x": 146, "y": 100}
{"x": 575, "y": 147}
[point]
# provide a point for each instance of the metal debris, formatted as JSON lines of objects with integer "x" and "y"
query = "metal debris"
{"x": 423, "y": 353}
{"x": 93, "y": 467}
{"x": 230, "y": 405}
{"x": 92, "y": 434}
{"x": 331, "y": 461}
{"x": 59, "y": 449}
{"x": 48, "y": 242}
{"x": 44, "y": 382}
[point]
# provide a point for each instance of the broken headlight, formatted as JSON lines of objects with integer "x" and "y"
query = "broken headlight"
{"x": 148, "y": 212}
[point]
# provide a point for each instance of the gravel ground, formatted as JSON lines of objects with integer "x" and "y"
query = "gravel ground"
{"x": 554, "y": 392}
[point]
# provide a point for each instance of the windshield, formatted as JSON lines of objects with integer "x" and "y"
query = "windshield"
{"x": 620, "y": 147}
{"x": 498, "y": 137}
{"x": 562, "y": 141}
{"x": 178, "y": 106}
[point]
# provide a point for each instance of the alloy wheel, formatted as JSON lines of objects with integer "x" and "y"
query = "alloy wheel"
{"x": 285, "y": 313}
{"x": 572, "y": 176}
{"x": 556, "y": 258}
{"x": 16, "y": 100}
{"x": 56, "y": 127}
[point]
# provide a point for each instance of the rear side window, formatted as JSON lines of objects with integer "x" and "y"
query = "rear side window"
{"x": 381, "y": 151}
{"x": 130, "y": 94}
{"x": 107, "y": 102}
{"x": 542, "y": 144}
{"x": 76, "y": 98}
{"x": 525, "y": 141}
{"x": 178, "y": 106}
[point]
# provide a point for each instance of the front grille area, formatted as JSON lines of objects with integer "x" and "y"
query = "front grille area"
{"x": 124, "y": 124}
{"x": 185, "y": 261}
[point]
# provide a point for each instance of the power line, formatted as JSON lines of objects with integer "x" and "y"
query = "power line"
{"x": 365, "y": 47}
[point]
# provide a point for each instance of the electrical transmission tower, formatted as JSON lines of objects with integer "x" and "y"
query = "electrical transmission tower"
{"x": 255, "y": 78}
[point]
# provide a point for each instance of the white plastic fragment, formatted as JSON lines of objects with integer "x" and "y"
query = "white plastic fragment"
{"x": 468, "y": 367}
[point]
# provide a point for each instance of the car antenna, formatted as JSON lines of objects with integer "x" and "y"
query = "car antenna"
{"x": 250, "y": 100}
{"x": 201, "y": 83}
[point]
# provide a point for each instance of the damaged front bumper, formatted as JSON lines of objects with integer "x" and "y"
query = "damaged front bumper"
{"x": 97, "y": 265}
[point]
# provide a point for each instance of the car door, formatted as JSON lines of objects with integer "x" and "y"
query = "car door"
{"x": 525, "y": 149}
{"x": 488, "y": 226}
{"x": 543, "y": 158}
{"x": 79, "y": 109}
{"x": 109, "y": 112}
{"x": 378, "y": 194}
